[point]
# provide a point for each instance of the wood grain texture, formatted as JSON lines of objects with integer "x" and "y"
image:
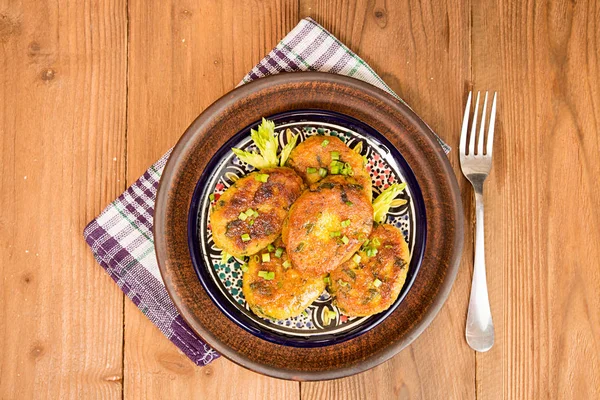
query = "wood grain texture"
{"x": 400, "y": 40}
{"x": 62, "y": 130}
{"x": 542, "y": 197}
{"x": 183, "y": 56}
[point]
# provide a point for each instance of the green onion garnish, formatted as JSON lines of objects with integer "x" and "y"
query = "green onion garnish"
{"x": 377, "y": 282}
{"x": 322, "y": 172}
{"x": 300, "y": 246}
{"x": 286, "y": 264}
{"x": 271, "y": 248}
{"x": 305, "y": 313}
{"x": 327, "y": 280}
{"x": 345, "y": 239}
{"x": 251, "y": 222}
{"x": 244, "y": 267}
{"x": 311, "y": 170}
{"x": 243, "y": 216}
{"x": 356, "y": 258}
{"x": 279, "y": 252}
{"x": 332, "y": 314}
{"x": 346, "y": 223}
{"x": 266, "y": 257}
{"x": 255, "y": 214}
{"x": 334, "y": 170}
{"x": 266, "y": 275}
{"x": 375, "y": 242}
{"x": 324, "y": 142}
{"x": 335, "y": 155}
{"x": 335, "y": 234}
{"x": 349, "y": 203}
{"x": 249, "y": 212}
{"x": 342, "y": 283}
{"x": 245, "y": 237}
{"x": 212, "y": 197}
{"x": 262, "y": 177}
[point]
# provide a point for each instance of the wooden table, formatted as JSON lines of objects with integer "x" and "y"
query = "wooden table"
{"x": 92, "y": 92}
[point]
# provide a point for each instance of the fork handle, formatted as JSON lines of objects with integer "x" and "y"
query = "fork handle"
{"x": 480, "y": 328}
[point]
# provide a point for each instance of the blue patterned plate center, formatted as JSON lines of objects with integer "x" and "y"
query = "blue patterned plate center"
{"x": 223, "y": 280}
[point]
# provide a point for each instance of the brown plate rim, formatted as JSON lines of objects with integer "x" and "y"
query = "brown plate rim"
{"x": 170, "y": 249}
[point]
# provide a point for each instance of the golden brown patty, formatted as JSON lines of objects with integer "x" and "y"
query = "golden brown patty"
{"x": 373, "y": 284}
{"x": 327, "y": 224}
{"x": 242, "y": 235}
{"x": 316, "y": 152}
{"x": 283, "y": 295}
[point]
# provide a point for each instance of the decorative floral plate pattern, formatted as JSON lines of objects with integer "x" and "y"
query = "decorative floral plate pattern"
{"x": 322, "y": 320}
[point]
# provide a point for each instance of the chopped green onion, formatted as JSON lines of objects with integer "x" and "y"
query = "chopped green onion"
{"x": 225, "y": 256}
{"x": 255, "y": 214}
{"x": 243, "y": 216}
{"x": 256, "y": 259}
{"x": 271, "y": 248}
{"x": 266, "y": 275}
{"x": 345, "y": 239}
{"x": 377, "y": 282}
{"x": 244, "y": 267}
{"x": 286, "y": 264}
{"x": 327, "y": 280}
{"x": 383, "y": 202}
{"x": 346, "y": 223}
{"x": 388, "y": 246}
{"x": 251, "y": 222}
{"x": 342, "y": 283}
{"x": 365, "y": 161}
{"x": 335, "y": 234}
{"x": 305, "y": 313}
{"x": 212, "y": 197}
{"x": 279, "y": 252}
{"x": 311, "y": 170}
{"x": 371, "y": 252}
{"x": 245, "y": 237}
{"x": 335, "y": 155}
{"x": 300, "y": 246}
{"x": 334, "y": 170}
{"x": 266, "y": 257}
{"x": 349, "y": 203}
{"x": 375, "y": 242}
{"x": 332, "y": 314}
{"x": 249, "y": 212}
{"x": 323, "y": 172}
{"x": 324, "y": 142}
{"x": 356, "y": 258}
{"x": 262, "y": 177}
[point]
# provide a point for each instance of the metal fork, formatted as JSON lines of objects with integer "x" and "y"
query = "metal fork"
{"x": 476, "y": 167}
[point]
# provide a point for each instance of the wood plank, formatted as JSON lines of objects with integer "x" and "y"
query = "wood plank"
{"x": 183, "y": 56}
{"x": 542, "y": 197}
{"x": 62, "y": 131}
{"x": 421, "y": 49}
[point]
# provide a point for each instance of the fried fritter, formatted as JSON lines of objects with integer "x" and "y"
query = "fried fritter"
{"x": 285, "y": 293}
{"x": 327, "y": 224}
{"x": 250, "y": 214}
{"x": 370, "y": 281}
{"x": 316, "y": 154}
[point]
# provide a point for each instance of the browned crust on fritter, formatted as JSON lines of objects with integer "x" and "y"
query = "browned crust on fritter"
{"x": 317, "y": 214}
{"x": 287, "y": 295}
{"x": 271, "y": 199}
{"x": 312, "y": 154}
{"x": 352, "y": 284}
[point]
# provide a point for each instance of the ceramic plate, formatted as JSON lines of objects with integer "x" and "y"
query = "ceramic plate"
{"x": 399, "y": 147}
{"x": 223, "y": 281}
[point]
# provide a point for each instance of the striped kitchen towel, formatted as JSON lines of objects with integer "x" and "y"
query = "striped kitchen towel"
{"x": 121, "y": 236}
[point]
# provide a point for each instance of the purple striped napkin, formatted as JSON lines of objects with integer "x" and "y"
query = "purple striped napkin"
{"x": 121, "y": 236}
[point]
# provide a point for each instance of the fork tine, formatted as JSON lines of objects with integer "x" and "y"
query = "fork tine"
{"x": 465, "y": 127}
{"x": 482, "y": 128}
{"x": 490, "y": 138}
{"x": 474, "y": 128}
